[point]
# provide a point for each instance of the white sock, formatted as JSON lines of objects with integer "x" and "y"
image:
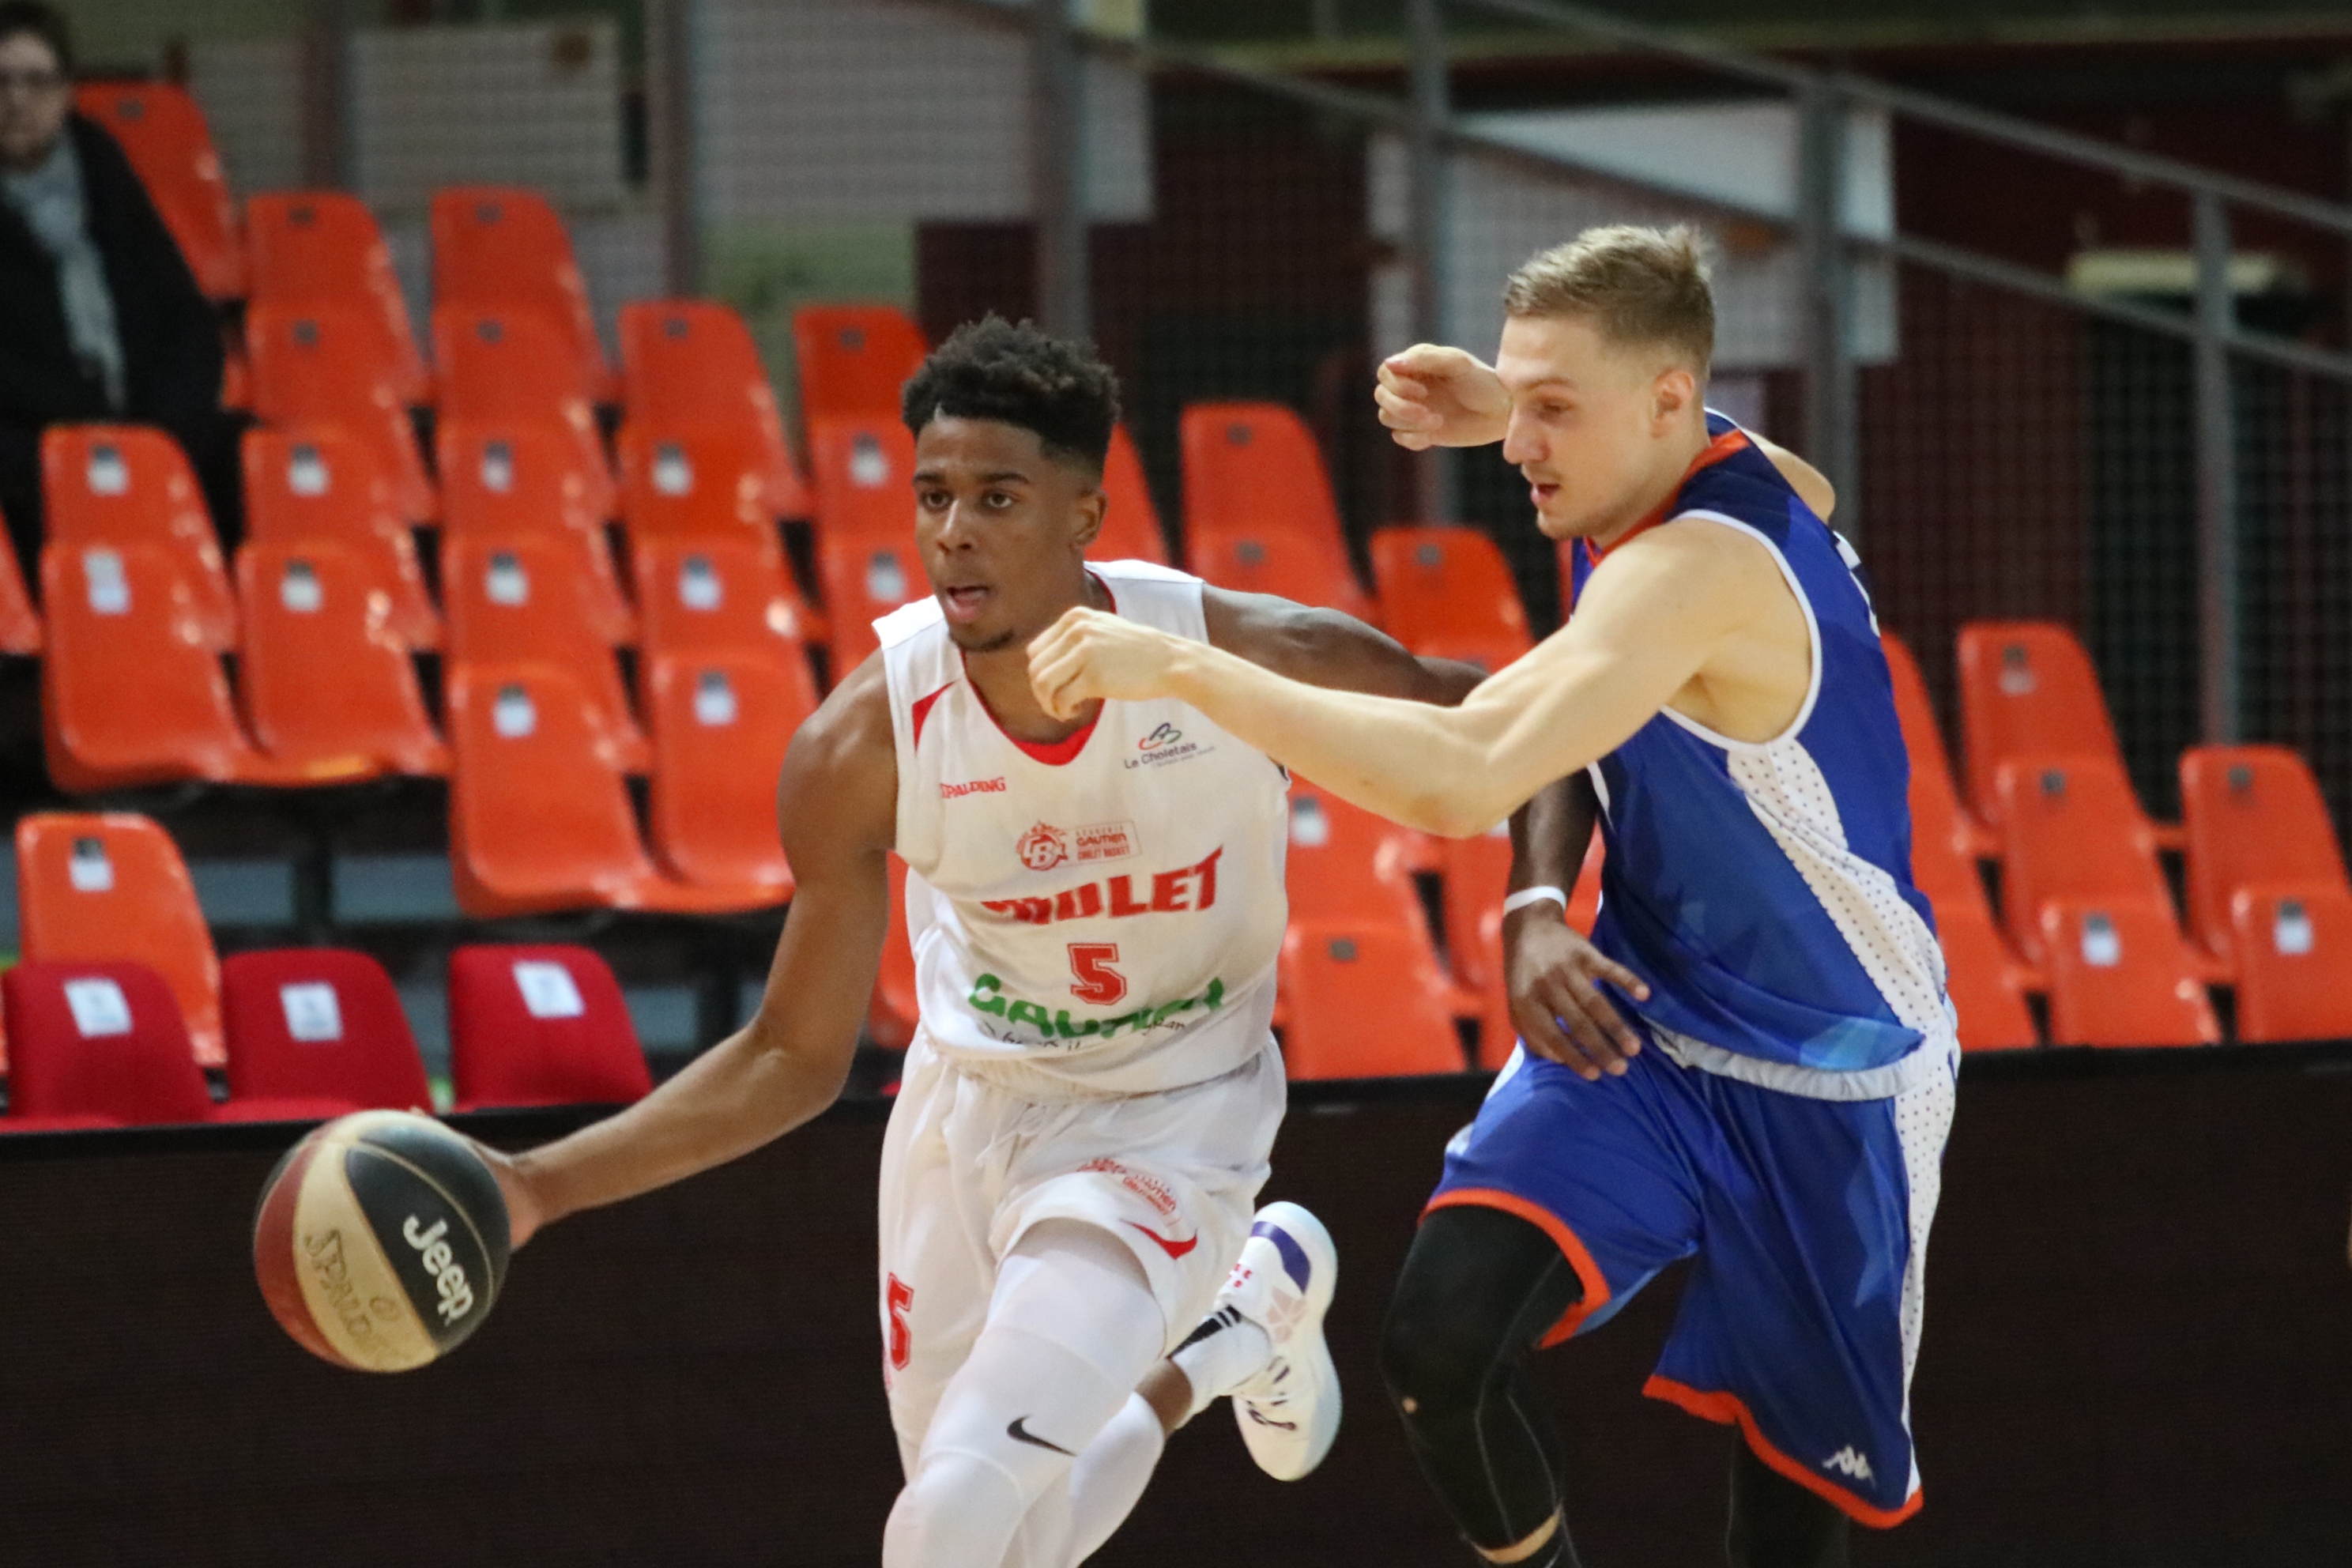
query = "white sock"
{"x": 1226, "y": 1350}
{"x": 1109, "y": 1477}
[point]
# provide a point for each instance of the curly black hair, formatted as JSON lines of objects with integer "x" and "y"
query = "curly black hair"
{"x": 990, "y": 369}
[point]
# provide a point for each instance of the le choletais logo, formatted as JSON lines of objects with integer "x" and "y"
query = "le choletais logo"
{"x": 1165, "y": 744}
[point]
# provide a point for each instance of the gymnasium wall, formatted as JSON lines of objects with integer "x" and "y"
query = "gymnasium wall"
{"x": 2138, "y": 1353}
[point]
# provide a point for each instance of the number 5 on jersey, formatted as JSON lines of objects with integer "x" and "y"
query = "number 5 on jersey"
{"x": 1097, "y": 982}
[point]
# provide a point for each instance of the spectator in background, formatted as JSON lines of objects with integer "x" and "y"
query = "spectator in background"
{"x": 100, "y": 317}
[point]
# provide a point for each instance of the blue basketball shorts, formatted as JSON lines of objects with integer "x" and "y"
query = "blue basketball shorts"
{"x": 1807, "y": 1221}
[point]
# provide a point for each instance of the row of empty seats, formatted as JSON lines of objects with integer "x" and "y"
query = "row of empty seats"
{"x": 311, "y": 1033}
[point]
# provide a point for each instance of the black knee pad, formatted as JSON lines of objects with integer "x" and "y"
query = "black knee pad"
{"x": 1478, "y": 1290}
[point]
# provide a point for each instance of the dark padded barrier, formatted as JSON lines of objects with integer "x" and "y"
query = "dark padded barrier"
{"x": 2138, "y": 1351}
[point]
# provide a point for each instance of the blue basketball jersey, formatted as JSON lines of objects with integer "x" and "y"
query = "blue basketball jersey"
{"x": 1764, "y": 890}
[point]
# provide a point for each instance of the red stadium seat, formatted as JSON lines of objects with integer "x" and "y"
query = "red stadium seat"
{"x": 717, "y": 595}
{"x": 539, "y": 819}
{"x": 540, "y": 1025}
{"x": 2292, "y": 941}
{"x": 93, "y": 887}
{"x": 1446, "y": 593}
{"x": 317, "y": 1023}
{"x": 503, "y": 478}
{"x": 2027, "y": 690}
{"x": 1986, "y": 984}
{"x": 503, "y": 368}
{"x": 504, "y": 249}
{"x": 523, "y": 598}
{"x": 865, "y": 530}
{"x": 854, "y": 359}
{"x": 2070, "y": 829}
{"x": 323, "y": 247}
{"x": 1347, "y": 864}
{"x": 100, "y": 1038}
{"x": 130, "y": 695}
{"x": 1258, "y": 512}
{"x": 721, "y": 723}
{"x": 164, "y": 133}
{"x": 691, "y": 362}
{"x": 1365, "y": 1001}
{"x": 1131, "y": 529}
{"x": 891, "y": 1016}
{"x": 20, "y": 624}
{"x": 2252, "y": 814}
{"x": 328, "y": 681}
{"x": 125, "y": 484}
{"x": 689, "y": 481}
{"x": 2120, "y": 975}
{"x": 318, "y": 366}
{"x": 324, "y": 486}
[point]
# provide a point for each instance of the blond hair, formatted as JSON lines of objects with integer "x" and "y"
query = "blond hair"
{"x": 1639, "y": 286}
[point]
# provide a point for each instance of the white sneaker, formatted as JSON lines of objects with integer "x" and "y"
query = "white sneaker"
{"x": 1289, "y": 1412}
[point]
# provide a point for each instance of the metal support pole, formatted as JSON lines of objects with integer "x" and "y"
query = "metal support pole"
{"x": 1831, "y": 410}
{"x": 1436, "y": 473}
{"x": 330, "y": 134}
{"x": 2217, "y": 479}
{"x": 1058, "y": 170}
{"x": 669, "y": 112}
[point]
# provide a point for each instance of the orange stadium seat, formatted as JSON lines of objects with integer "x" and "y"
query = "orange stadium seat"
{"x": 688, "y": 481}
{"x": 130, "y": 695}
{"x": 2292, "y": 942}
{"x": 691, "y": 362}
{"x": 505, "y": 368}
{"x": 1365, "y": 1001}
{"x": 503, "y": 248}
{"x": 721, "y": 723}
{"x": 891, "y": 1016}
{"x": 328, "y": 681}
{"x": 1259, "y": 517}
{"x": 164, "y": 135}
{"x": 319, "y": 365}
{"x": 1446, "y": 593}
{"x": 539, "y": 819}
{"x": 1923, "y": 739}
{"x": 1131, "y": 529}
{"x": 1347, "y": 864}
{"x": 93, "y": 887}
{"x": 2253, "y": 814}
{"x": 317, "y": 1023}
{"x": 2027, "y": 690}
{"x": 2070, "y": 829}
{"x": 865, "y": 530}
{"x": 20, "y": 624}
{"x": 508, "y": 478}
{"x": 313, "y": 247}
{"x": 854, "y": 359}
{"x": 125, "y": 484}
{"x": 523, "y": 598}
{"x": 540, "y": 1025}
{"x": 1985, "y": 982}
{"x": 2120, "y": 975}
{"x": 717, "y": 595}
{"x": 323, "y": 486}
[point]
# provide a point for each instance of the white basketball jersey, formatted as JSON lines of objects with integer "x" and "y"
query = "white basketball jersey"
{"x": 1102, "y": 915}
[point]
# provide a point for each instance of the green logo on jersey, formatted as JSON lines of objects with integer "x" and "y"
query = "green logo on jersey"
{"x": 988, "y": 996}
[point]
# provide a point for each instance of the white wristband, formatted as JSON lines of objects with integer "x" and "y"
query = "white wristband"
{"x": 1526, "y": 896}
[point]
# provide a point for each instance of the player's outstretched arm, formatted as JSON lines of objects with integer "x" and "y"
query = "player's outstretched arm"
{"x": 1432, "y": 395}
{"x": 1650, "y": 618}
{"x": 837, "y": 802}
{"x": 1330, "y": 649}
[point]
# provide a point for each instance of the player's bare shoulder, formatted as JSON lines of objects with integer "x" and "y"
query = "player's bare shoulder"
{"x": 840, "y": 779}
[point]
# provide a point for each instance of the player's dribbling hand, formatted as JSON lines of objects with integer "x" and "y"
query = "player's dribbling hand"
{"x": 524, "y": 1215}
{"x": 1088, "y": 656}
{"x": 1431, "y": 396}
{"x": 1551, "y": 975}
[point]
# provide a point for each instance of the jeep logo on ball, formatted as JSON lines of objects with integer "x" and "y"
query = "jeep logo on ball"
{"x": 448, "y": 1276}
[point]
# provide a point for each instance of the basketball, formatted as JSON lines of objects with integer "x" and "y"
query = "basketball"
{"x": 380, "y": 1241}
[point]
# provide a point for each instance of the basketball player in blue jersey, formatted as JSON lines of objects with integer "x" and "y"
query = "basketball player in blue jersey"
{"x": 1753, "y": 1063}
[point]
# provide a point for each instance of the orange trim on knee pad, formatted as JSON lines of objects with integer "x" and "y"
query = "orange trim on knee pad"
{"x": 1731, "y": 1410}
{"x": 1571, "y": 1247}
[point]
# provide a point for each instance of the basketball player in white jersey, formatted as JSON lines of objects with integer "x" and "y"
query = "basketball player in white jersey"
{"x": 1096, "y": 906}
